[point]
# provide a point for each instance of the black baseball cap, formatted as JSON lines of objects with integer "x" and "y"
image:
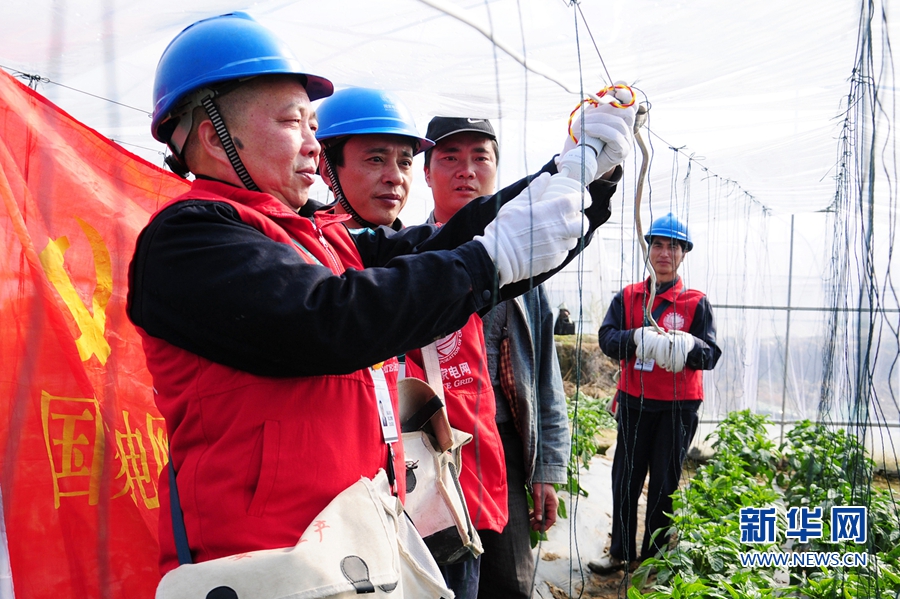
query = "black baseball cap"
{"x": 444, "y": 126}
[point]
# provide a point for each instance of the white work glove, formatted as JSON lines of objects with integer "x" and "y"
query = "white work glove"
{"x": 605, "y": 127}
{"x": 535, "y": 231}
{"x": 680, "y": 343}
{"x": 647, "y": 340}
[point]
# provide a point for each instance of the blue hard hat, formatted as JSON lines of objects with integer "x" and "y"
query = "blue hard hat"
{"x": 218, "y": 49}
{"x": 671, "y": 227}
{"x": 363, "y": 111}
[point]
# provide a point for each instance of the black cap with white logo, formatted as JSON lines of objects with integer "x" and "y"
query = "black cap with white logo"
{"x": 444, "y": 126}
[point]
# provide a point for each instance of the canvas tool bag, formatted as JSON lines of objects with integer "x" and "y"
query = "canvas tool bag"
{"x": 434, "y": 497}
{"x": 368, "y": 547}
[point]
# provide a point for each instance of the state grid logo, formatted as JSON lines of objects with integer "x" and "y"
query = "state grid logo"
{"x": 448, "y": 346}
{"x": 673, "y": 321}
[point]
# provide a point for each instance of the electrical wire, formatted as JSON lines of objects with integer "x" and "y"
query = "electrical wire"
{"x": 34, "y": 79}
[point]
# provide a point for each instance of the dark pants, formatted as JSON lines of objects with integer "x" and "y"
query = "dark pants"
{"x": 654, "y": 441}
{"x": 507, "y": 565}
{"x": 462, "y": 578}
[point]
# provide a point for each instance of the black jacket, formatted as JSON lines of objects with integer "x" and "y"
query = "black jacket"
{"x": 205, "y": 281}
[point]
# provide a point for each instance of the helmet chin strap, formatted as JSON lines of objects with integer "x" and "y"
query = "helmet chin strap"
{"x": 339, "y": 194}
{"x": 216, "y": 118}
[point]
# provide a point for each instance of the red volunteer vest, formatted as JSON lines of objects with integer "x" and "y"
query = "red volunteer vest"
{"x": 659, "y": 384}
{"x": 258, "y": 458}
{"x": 469, "y": 396}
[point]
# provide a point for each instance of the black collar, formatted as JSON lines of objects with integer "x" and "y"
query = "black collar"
{"x": 663, "y": 287}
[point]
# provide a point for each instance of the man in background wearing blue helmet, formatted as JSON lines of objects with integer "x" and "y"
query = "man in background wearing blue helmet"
{"x": 659, "y": 391}
{"x": 251, "y": 307}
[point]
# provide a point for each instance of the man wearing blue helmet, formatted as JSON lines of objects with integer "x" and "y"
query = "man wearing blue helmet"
{"x": 369, "y": 139}
{"x": 659, "y": 391}
{"x": 251, "y": 304}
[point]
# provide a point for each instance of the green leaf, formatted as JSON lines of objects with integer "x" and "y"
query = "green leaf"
{"x": 731, "y": 590}
{"x": 536, "y": 537}
{"x": 561, "y": 510}
{"x": 633, "y": 593}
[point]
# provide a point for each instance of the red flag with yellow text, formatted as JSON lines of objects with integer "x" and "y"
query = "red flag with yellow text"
{"x": 82, "y": 442}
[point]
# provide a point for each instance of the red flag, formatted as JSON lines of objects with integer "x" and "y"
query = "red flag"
{"x": 82, "y": 442}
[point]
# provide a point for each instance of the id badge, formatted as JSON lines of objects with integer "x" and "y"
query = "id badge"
{"x": 644, "y": 366}
{"x": 385, "y": 411}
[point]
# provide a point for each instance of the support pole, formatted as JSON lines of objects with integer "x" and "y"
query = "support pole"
{"x": 787, "y": 336}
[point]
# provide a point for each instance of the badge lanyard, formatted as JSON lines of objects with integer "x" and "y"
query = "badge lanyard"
{"x": 386, "y": 418}
{"x": 383, "y": 401}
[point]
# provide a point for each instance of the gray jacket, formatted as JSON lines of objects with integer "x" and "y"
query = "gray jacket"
{"x": 541, "y": 400}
